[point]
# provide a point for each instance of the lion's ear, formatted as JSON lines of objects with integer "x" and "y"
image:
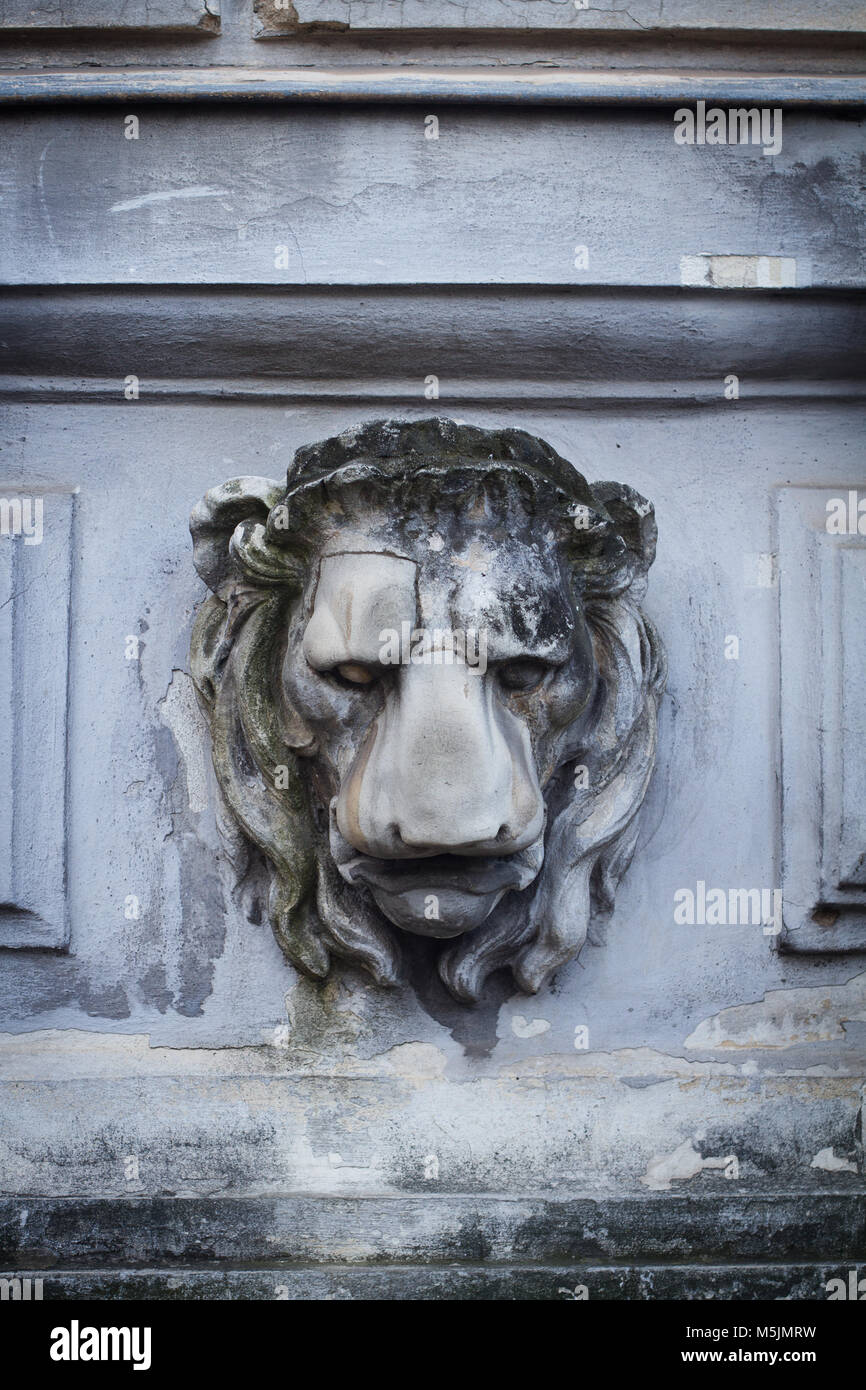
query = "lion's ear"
{"x": 215, "y": 517}
{"x": 634, "y": 518}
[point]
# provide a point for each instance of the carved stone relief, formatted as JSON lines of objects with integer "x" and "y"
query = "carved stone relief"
{"x": 432, "y": 696}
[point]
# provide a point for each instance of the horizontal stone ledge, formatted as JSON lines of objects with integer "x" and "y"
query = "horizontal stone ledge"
{"x": 435, "y": 1228}
{"x": 577, "y": 394}
{"x": 556, "y": 1282}
{"x": 524, "y": 86}
{"x": 478, "y": 342}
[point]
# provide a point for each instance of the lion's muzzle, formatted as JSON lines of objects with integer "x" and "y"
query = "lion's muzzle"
{"x": 441, "y": 812}
{"x": 444, "y": 769}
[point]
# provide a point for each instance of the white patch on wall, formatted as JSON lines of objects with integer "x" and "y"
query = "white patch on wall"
{"x": 740, "y": 272}
{"x": 200, "y": 191}
{"x": 684, "y": 1163}
{"x": 528, "y": 1028}
{"x": 761, "y": 570}
{"x": 826, "y": 1159}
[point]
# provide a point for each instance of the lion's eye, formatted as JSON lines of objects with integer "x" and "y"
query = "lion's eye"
{"x": 354, "y": 673}
{"x": 522, "y": 674}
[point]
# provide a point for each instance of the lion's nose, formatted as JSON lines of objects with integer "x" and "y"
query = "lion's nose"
{"x": 433, "y": 836}
{"x": 445, "y": 769}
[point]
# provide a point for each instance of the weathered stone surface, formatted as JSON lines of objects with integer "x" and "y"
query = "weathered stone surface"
{"x": 154, "y": 1232}
{"x": 316, "y": 1113}
{"x": 526, "y": 196}
{"x": 565, "y": 1282}
{"x": 635, "y": 16}
{"x": 164, "y": 16}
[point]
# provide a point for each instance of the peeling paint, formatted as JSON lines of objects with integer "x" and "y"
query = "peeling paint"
{"x": 683, "y": 1164}
{"x": 180, "y": 713}
{"x": 785, "y": 1018}
{"x": 827, "y": 1159}
{"x": 416, "y": 1061}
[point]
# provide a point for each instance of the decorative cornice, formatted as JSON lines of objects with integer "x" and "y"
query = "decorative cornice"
{"x": 570, "y": 346}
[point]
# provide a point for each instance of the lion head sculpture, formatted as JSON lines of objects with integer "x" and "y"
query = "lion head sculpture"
{"x": 432, "y": 695}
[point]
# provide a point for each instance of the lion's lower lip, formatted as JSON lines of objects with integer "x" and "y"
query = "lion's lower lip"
{"x": 475, "y": 876}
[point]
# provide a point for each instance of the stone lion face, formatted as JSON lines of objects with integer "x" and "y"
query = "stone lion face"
{"x": 442, "y": 738}
{"x": 431, "y": 693}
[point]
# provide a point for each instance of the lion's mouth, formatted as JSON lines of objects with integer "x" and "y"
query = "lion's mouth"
{"x": 439, "y": 895}
{"x": 477, "y": 876}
